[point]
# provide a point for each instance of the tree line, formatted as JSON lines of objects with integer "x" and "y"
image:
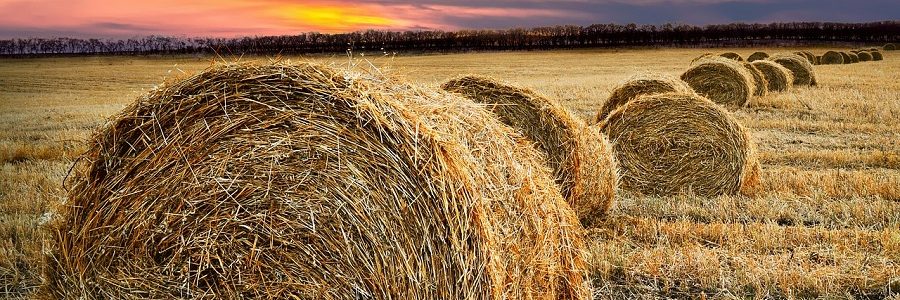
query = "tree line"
{"x": 551, "y": 37}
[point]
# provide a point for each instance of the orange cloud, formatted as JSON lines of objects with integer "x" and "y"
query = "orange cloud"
{"x": 336, "y": 18}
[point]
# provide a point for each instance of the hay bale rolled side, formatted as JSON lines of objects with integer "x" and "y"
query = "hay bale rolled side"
{"x": 876, "y": 56}
{"x": 801, "y": 68}
{"x": 581, "y": 158}
{"x": 732, "y": 55}
{"x": 312, "y": 183}
{"x": 722, "y": 80}
{"x": 778, "y": 78}
{"x": 889, "y": 47}
{"x": 864, "y": 56}
{"x": 818, "y": 59}
{"x": 758, "y": 55}
{"x": 639, "y": 85}
{"x": 810, "y": 56}
{"x": 805, "y": 55}
{"x": 702, "y": 56}
{"x": 853, "y": 58}
{"x": 846, "y": 57}
{"x": 832, "y": 58}
{"x": 759, "y": 80}
{"x": 673, "y": 143}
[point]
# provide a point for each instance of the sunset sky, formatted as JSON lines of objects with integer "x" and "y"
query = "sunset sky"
{"x": 230, "y": 18}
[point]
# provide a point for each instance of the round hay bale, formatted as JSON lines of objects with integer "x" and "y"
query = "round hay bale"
{"x": 672, "y": 143}
{"x": 864, "y": 56}
{"x": 758, "y": 55}
{"x": 722, "y": 80}
{"x": 732, "y": 55}
{"x": 818, "y": 59}
{"x": 801, "y": 68}
{"x": 778, "y": 78}
{"x": 702, "y": 56}
{"x": 846, "y": 57}
{"x": 580, "y": 157}
{"x": 889, "y": 47}
{"x": 759, "y": 81}
{"x": 810, "y": 56}
{"x": 832, "y": 58}
{"x": 301, "y": 181}
{"x": 806, "y": 55}
{"x": 876, "y": 55}
{"x": 639, "y": 85}
{"x": 853, "y": 58}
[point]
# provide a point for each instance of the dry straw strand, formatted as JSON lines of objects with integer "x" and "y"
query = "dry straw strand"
{"x": 580, "y": 156}
{"x": 722, "y": 80}
{"x": 801, "y": 68}
{"x": 758, "y": 55}
{"x": 778, "y": 78}
{"x": 289, "y": 180}
{"x": 673, "y": 143}
{"x": 639, "y": 85}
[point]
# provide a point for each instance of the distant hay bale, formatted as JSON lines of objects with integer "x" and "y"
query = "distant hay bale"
{"x": 732, "y": 55}
{"x": 832, "y": 58}
{"x": 759, "y": 80}
{"x": 889, "y": 47}
{"x": 846, "y": 57}
{"x": 759, "y": 55}
{"x": 702, "y": 56}
{"x": 801, "y": 68}
{"x": 302, "y": 181}
{"x": 722, "y": 80}
{"x": 672, "y": 143}
{"x": 853, "y": 58}
{"x": 864, "y": 56}
{"x": 806, "y": 55}
{"x": 778, "y": 78}
{"x": 580, "y": 157}
{"x": 818, "y": 59}
{"x": 639, "y": 85}
{"x": 876, "y": 55}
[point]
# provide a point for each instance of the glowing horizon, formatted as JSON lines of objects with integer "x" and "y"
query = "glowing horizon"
{"x": 233, "y": 18}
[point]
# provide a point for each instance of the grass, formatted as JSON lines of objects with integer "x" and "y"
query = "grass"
{"x": 825, "y": 225}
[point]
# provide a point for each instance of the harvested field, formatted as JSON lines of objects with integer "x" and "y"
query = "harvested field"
{"x": 824, "y": 224}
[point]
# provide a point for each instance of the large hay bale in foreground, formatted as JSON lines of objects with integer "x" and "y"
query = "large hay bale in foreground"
{"x": 853, "y": 58}
{"x": 778, "y": 78}
{"x": 672, "y": 143}
{"x": 732, "y": 55}
{"x": 722, "y": 80}
{"x": 759, "y": 55}
{"x": 864, "y": 56}
{"x": 639, "y": 85}
{"x": 832, "y": 58}
{"x": 876, "y": 55}
{"x": 801, "y": 68}
{"x": 759, "y": 80}
{"x": 889, "y": 47}
{"x": 580, "y": 157}
{"x": 300, "y": 181}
